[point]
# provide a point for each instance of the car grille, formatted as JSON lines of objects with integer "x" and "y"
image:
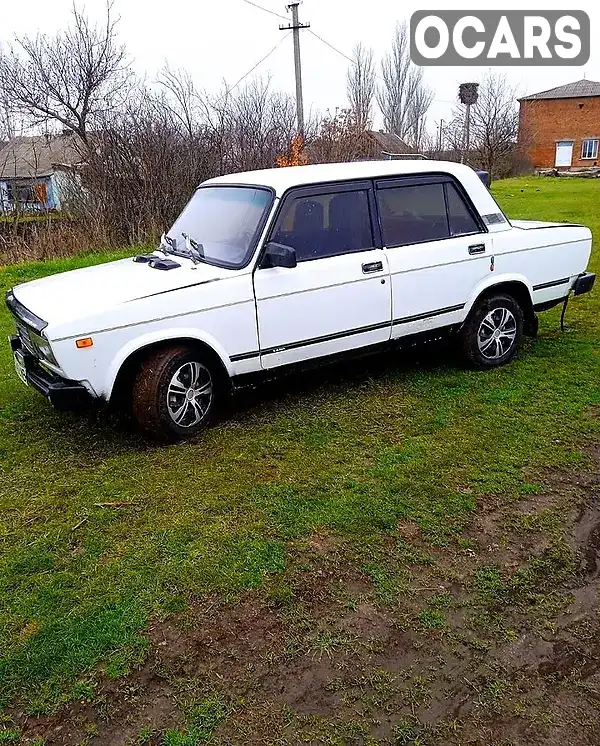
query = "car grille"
{"x": 25, "y": 337}
{"x": 29, "y": 326}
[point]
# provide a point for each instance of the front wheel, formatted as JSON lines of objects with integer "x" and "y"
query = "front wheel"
{"x": 175, "y": 393}
{"x": 493, "y": 332}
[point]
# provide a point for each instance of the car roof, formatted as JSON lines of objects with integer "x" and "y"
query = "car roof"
{"x": 282, "y": 179}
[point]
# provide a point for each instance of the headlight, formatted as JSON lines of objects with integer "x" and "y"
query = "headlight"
{"x": 42, "y": 346}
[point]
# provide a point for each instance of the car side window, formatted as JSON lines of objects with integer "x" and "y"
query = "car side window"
{"x": 413, "y": 214}
{"x": 460, "y": 217}
{"x": 324, "y": 225}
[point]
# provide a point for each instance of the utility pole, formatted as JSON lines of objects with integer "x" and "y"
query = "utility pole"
{"x": 468, "y": 94}
{"x": 295, "y": 27}
{"x": 467, "y": 140}
{"x": 441, "y": 136}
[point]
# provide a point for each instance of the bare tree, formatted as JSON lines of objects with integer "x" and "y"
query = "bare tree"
{"x": 148, "y": 157}
{"x": 7, "y": 126}
{"x": 73, "y": 78}
{"x": 495, "y": 122}
{"x": 185, "y": 101}
{"x": 251, "y": 127}
{"x": 494, "y": 127}
{"x": 339, "y": 138}
{"x": 360, "y": 86}
{"x": 142, "y": 169}
{"x": 403, "y": 98}
{"x": 417, "y": 117}
{"x": 454, "y": 135}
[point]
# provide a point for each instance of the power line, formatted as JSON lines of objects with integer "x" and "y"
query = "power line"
{"x": 266, "y": 57}
{"x": 320, "y": 38}
{"x": 345, "y": 56}
{"x": 335, "y": 49}
{"x": 266, "y": 10}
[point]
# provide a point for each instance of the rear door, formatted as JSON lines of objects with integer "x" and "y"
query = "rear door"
{"x": 438, "y": 250}
{"x": 338, "y": 296}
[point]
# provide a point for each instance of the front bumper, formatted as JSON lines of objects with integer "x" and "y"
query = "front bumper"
{"x": 61, "y": 393}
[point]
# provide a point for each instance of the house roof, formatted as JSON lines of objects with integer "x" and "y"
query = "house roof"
{"x": 579, "y": 89}
{"x": 390, "y": 143}
{"x": 41, "y": 155}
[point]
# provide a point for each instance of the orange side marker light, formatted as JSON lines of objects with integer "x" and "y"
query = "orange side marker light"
{"x": 85, "y": 342}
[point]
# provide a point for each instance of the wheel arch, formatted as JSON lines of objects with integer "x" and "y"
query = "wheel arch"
{"x": 517, "y": 287}
{"x": 129, "y": 358}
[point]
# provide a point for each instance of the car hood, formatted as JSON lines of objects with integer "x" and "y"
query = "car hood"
{"x": 84, "y": 292}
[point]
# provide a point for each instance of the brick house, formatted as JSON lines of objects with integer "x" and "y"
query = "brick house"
{"x": 561, "y": 127}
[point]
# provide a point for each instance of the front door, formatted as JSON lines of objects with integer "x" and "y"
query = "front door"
{"x": 564, "y": 153}
{"x": 437, "y": 247}
{"x": 338, "y": 296}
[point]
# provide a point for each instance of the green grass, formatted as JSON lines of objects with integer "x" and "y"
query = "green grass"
{"x": 203, "y": 718}
{"x": 418, "y": 441}
{"x": 9, "y": 735}
{"x": 432, "y": 619}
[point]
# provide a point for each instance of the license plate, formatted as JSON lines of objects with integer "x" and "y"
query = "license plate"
{"x": 20, "y": 366}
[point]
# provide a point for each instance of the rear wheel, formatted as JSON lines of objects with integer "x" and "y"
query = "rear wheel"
{"x": 492, "y": 334}
{"x": 176, "y": 392}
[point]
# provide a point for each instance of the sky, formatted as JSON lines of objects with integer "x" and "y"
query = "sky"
{"x": 216, "y": 40}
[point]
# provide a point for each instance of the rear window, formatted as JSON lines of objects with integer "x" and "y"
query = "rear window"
{"x": 418, "y": 213}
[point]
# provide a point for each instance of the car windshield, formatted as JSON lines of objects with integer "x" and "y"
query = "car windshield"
{"x": 223, "y": 222}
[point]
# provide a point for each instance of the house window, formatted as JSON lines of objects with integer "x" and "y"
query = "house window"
{"x": 589, "y": 149}
{"x": 23, "y": 193}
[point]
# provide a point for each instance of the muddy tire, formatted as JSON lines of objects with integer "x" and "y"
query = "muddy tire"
{"x": 176, "y": 392}
{"x": 493, "y": 332}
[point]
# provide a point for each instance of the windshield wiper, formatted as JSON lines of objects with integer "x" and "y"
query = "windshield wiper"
{"x": 166, "y": 244}
{"x": 194, "y": 248}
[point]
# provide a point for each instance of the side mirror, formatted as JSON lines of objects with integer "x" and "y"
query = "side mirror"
{"x": 279, "y": 255}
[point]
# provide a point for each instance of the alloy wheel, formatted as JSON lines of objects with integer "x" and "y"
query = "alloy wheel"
{"x": 190, "y": 394}
{"x": 497, "y": 333}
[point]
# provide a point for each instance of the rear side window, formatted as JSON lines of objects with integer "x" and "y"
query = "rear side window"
{"x": 459, "y": 216}
{"x": 417, "y": 213}
{"x": 323, "y": 225}
{"x": 413, "y": 214}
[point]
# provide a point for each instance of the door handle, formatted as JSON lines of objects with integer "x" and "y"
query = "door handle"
{"x": 372, "y": 267}
{"x": 477, "y": 248}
